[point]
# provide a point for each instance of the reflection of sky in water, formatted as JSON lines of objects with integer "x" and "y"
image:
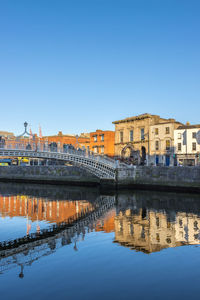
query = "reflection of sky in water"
{"x": 98, "y": 263}
{"x": 11, "y": 228}
{"x": 22, "y": 215}
{"x": 107, "y": 270}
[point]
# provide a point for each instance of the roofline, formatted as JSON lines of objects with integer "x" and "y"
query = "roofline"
{"x": 139, "y": 117}
{"x": 188, "y": 126}
{"x": 65, "y": 135}
{"x": 168, "y": 122}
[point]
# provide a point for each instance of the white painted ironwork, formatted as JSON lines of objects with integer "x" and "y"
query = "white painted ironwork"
{"x": 100, "y": 166}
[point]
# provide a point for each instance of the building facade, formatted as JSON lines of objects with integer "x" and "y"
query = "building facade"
{"x": 82, "y": 141}
{"x": 151, "y": 231}
{"x": 162, "y": 143}
{"x": 132, "y": 137}
{"x": 6, "y": 134}
{"x": 102, "y": 142}
{"x": 187, "y": 144}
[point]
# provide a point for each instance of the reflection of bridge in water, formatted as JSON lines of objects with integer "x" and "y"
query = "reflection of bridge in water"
{"x": 25, "y": 250}
{"x": 143, "y": 221}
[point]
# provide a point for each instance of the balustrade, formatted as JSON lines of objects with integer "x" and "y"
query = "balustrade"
{"x": 101, "y": 166}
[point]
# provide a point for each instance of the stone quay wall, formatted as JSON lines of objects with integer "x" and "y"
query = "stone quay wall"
{"x": 48, "y": 174}
{"x": 142, "y": 177}
{"x": 168, "y": 178}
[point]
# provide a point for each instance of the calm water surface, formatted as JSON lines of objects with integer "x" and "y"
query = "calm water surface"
{"x": 77, "y": 243}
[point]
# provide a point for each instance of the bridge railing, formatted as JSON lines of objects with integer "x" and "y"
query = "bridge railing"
{"x": 44, "y": 147}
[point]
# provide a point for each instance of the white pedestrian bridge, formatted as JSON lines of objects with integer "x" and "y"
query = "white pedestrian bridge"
{"x": 102, "y": 167}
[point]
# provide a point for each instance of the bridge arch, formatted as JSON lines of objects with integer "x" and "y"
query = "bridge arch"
{"x": 101, "y": 167}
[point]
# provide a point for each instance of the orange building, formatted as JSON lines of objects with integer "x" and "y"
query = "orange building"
{"x": 39, "y": 209}
{"x": 107, "y": 224}
{"x": 81, "y": 141}
{"x": 102, "y": 142}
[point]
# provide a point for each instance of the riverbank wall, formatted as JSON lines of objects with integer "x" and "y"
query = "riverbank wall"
{"x": 159, "y": 178}
{"x": 64, "y": 175}
{"x": 135, "y": 177}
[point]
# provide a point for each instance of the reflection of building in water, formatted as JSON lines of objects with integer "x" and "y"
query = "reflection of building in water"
{"x": 40, "y": 209}
{"x": 24, "y": 251}
{"x": 107, "y": 223}
{"x": 151, "y": 231}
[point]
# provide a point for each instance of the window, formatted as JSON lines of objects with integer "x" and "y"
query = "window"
{"x": 167, "y": 131}
{"x": 157, "y": 145}
{"x": 167, "y": 144}
{"x": 131, "y": 229}
{"x": 102, "y": 137}
{"x": 121, "y": 226}
{"x": 131, "y": 135}
{"x": 156, "y": 131}
{"x": 179, "y": 135}
{"x": 95, "y": 149}
{"x": 194, "y": 135}
{"x": 143, "y": 233}
{"x": 142, "y": 133}
{"x": 158, "y": 237}
{"x": 194, "y": 147}
{"x": 195, "y": 225}
{"x": 102, "y": 149}
{"x": 95, "y": 138}
{"x": 179, "y": 146}
{"x": 121, "y": 136}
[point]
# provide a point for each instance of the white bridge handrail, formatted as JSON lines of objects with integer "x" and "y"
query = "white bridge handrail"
{"x": 98, "y": 165}
{"x": 81, "y": 153}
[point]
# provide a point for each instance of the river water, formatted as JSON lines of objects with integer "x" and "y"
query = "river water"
{"x": 82, "y": 243}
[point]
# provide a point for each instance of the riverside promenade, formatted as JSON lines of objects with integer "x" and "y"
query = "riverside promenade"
{"x": 140, "y": 177}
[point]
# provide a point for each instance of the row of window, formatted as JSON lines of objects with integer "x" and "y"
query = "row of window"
{"x": 102, "y": 138}
{"x": 142, "y": 135}
{"x": 194, "y": 135}
{"x": 131, "y": 138}
{"x": 96, "y": 149}
{"x": 167, "y": 130}
{"x": 167, "y": 145}
{"x": 194, "y": 146}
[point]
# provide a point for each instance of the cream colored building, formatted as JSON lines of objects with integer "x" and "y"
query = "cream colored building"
{"x": 187, "y": 144}
{"x": 153, "y": 231}
{"x": 162, "y": 143}
{"x": 132, "y": 137}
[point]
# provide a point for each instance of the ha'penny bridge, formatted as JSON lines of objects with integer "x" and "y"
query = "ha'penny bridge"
{"x": 100, "y": 166}
{"x": 25, "y": 250}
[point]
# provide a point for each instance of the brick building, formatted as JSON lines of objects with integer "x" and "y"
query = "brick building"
{"x": 102, "y": 142}
{"x": 82, "y": 141}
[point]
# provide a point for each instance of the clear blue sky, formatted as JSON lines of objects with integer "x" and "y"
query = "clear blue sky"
{"x": 78, "y": 65}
